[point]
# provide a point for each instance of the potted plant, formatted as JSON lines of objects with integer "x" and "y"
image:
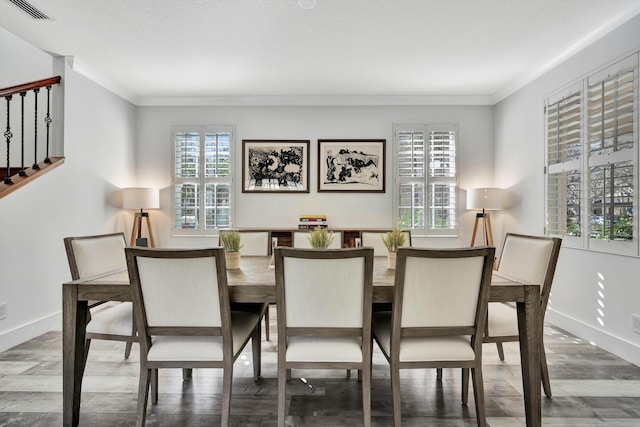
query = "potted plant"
{"x": 393, "y": 240}
{"x": 230, "y": 240}
{"x": 320, "y": 238}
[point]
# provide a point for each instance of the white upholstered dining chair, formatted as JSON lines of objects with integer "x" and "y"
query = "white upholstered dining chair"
{"x": 301, "y": 240}
{"x": 97, "y": 254}
{"x": 181, "y": 305}
{"x": 324, "y": 314}
{"x": 438, "y": 316}
{"x": 254, "y": 243}
{"x": 532, "y": 259}
{"x": 374, "y": 239}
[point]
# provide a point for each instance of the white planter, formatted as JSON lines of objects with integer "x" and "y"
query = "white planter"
{"x": 391, "y": 260}
{"x": 233, "y": 260}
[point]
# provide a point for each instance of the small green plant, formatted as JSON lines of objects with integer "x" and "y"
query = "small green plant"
{"x": 230, "y": 240}
{"x": 393, "y": 239}
{"x": 320, "y": 238}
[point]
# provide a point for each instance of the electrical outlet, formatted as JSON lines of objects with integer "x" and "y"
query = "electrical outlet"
{"x": 3, "y": 310}
{"x": 635, "y": 323}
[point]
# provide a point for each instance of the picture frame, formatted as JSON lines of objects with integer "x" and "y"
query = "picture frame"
{"x": 275, "y": 166}
{"x": 351, "y": 165}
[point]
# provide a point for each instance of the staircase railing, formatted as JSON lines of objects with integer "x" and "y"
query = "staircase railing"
{"x": 24, "y": 90}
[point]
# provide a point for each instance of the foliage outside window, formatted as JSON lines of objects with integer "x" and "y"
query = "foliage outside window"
{"x": 202, "y": 179}
{"x": 426, "y": 178}
{"x": 592, "y": 158}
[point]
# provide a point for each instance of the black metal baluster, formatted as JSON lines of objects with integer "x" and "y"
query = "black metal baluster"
{"x": 48, "y": 120}
{"x": 35, "y": 131}
{"x": 8, "y": 135}
{"x": 22, "y": 172}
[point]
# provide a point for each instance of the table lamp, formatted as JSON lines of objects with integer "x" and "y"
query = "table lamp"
{"x": 484, "y": 199}
{"x": 140, "y": 198}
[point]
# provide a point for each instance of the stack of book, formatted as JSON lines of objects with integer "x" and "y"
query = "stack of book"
{"x": 312, "y": 221}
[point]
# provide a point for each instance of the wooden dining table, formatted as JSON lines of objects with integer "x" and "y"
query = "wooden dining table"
{"x": 254, "y": 281}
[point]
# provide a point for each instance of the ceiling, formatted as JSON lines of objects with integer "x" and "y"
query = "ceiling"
{"x": 341, "y": 49}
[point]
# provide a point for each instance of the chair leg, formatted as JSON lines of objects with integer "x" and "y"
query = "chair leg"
{"x": 283, "y": 374}
{"x": 227, "y": 378}
{"x": 366, "y": 395}
{"x": 465, "y": 386}
{"x": 87, "y": 344}
{"x": 154, "y": 386}
{"x": 256, "y": 349}
{"x": 395, "y": 396}
{"x": 478, "y": 394}
{"x": 266, "y": 322}
{"x": 439, "y": 374}
{"x": 187, "y": 373}
{"x": 544, "y": 372}
{"x": 500, "y": 351}
{"x": 127, "y": 348}
{"x": 143, "y": 395}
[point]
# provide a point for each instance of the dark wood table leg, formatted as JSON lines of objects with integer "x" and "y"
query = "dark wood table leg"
{"x": 74, "y": 321}
{"x": 530, "y": 340}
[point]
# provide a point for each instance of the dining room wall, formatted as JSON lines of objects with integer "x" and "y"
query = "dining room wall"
{"x": 344, "y": 210}
{"x": 76, "y": 198}
{"x": 586, "y": 281}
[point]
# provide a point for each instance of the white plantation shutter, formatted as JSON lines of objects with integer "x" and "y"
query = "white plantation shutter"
{"x": 592, "y": 160}
{"x": 426, "y": 178}
{"x": 442, "y": 178}
{"x": 410, "y": 150}
{"x": 564, "y": 149}
{"x": 202, "y": 178}
{"x": 611, "y": 117}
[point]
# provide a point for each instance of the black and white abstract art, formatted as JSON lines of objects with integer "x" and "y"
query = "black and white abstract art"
{"x": 351, "y": 165}
{"x": 275, "y": 166}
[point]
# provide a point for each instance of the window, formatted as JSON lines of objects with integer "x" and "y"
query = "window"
{"x": 426, "y": 178}
{"x": 202, "y": 179}
{"x": 592, "y": 158}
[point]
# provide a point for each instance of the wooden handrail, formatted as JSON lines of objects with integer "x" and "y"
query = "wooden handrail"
{"x": 25, "y": 87}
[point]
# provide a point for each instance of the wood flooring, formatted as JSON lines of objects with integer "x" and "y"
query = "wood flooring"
{"x": 591, "y": 387}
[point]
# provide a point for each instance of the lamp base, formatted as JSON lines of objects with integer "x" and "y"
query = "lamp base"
{"x": 136, "y": 230}
{"x": 486, "y": 231}
{"x": 142, "y": 242}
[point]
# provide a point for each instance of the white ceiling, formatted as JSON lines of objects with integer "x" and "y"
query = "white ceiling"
{"x": 343, "y": 49}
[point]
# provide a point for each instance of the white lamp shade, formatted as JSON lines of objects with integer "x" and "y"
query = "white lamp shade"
{"x": 489, "y": 199}
{"x": 140, "y": 198}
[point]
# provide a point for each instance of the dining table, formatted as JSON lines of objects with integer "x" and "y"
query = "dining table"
{"x": 254, "y": 282}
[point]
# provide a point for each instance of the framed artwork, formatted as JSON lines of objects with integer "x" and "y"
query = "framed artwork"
{"x": 355, "y": 165}
{"x": 275, "y": 166}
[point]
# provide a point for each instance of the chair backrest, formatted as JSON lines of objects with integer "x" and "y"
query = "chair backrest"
{"x": 373, "y": 239}
{"x": 96, "y": 254}
{"x": 179, "y": 291}
{"x": 531, "y": 258}
{"x": 441, "y": 292}
{"x": 301, "y": 240}
{"x": 255, "y": 243}
{"x": 328, "y": 288}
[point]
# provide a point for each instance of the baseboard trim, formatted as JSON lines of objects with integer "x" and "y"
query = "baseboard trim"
{"x": 16, "y": 336}
{"x": 619, "y": 346}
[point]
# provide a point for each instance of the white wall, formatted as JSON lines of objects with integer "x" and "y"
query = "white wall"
{"x": 519, "y": 155}
{"x": 475, "y": 161}
{"x": 22, "y": 63}
{"x": 78, "y": 197}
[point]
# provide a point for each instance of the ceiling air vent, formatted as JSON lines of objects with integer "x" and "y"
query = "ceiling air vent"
{"x": 30, "y": 9}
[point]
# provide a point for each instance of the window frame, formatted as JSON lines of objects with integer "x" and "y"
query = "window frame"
{"x": 426, "y": 180}
{"x": 201, "y": 180}
{"x": 589, "y": 161}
